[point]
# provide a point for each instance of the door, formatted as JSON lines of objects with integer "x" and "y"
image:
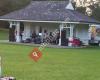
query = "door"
{"x": 63, "y": 38}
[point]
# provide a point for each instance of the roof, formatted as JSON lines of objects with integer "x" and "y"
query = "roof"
{"x": 48, "y": 11}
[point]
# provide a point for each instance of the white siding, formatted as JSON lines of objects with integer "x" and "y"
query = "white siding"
{"x": 82, "y": 33}
{"x": 27, "y": 31}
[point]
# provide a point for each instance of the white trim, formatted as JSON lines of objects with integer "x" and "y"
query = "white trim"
{"x": 61, "y": 27}
{"x": 46, "y": 21}
{"x": 18, "y": 38}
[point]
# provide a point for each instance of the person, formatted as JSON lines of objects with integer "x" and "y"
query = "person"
{"x": 41, "y": 37}
{"x": 45, "y": 35}
{"x": 38, "y": 40}
{"x": 34, "y": 36}
{"x": 50, "y": 37}
{"x": 21, "y": 35}
{"x": 58, "y": 36}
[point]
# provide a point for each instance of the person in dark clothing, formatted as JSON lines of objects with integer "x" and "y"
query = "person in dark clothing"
{"x": 21, "y": 35}
{"x": 50, "y": 37}
{"x": 50, "y": 34}
{"x": 34, "y": 36}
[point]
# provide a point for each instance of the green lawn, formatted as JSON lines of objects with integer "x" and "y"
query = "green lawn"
{"x": 55, "y": 64}
{"x": 4, "y": 34}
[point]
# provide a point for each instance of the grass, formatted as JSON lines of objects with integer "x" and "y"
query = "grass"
{"x": 4, "y": 33}
{"x": 55, "y": 64}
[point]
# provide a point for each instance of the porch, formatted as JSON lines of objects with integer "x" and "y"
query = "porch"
{"x": 54, "y": 33}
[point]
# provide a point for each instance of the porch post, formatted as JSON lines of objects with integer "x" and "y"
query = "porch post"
{"x": 61, "y": 27}
{"x": 17, "y": 33}
{"x": 10, "y": 26}
{"x": 27, "y": 31}
{"x": 71, "y": 30}
{"x": 71, "y": 34}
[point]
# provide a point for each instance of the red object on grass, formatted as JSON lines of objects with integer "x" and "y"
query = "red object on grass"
{"x": 76, "y": 42}
{"x": 36, "y": 54}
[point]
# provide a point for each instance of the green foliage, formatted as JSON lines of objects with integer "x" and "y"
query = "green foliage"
{"x": 96, "y": 13}
{"x": 4, "y": 34}
{"x": 7, "y": 6}
{"x": 81, "y": 9}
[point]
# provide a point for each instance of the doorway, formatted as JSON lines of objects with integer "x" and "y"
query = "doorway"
{"x": 64, "y": 41}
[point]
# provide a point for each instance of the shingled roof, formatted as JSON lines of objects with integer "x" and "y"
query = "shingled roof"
{"x": 48, "y": 11}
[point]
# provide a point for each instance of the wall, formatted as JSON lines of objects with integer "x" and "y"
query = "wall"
{"x": 27, "y": 31}
{"x": 82, "y": 33}
{"x": 29, "y": 28}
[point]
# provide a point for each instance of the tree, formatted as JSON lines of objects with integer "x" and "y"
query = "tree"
{"x": 96, "y": 13}
{"x": 89, "y": 5}
{"x": 7, "y": 6}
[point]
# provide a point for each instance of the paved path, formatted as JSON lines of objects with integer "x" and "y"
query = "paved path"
{"x": 35, "y": 45}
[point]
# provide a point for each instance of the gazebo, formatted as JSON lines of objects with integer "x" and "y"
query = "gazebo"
{"x": 49, "y": 15}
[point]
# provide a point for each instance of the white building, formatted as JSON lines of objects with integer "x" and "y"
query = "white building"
{"x": 39, "y": 16}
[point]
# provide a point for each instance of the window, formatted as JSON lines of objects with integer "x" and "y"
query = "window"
{"x": 14, "y": 22}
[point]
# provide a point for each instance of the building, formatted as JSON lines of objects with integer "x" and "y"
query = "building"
{"x": 39, "y": 16}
